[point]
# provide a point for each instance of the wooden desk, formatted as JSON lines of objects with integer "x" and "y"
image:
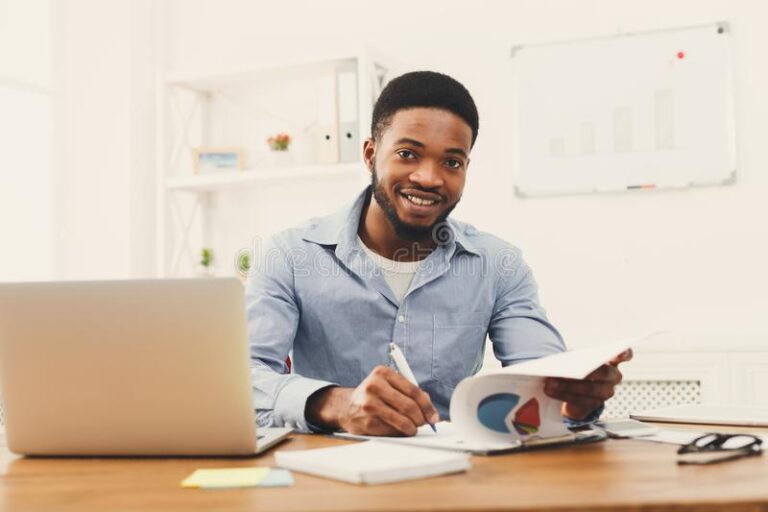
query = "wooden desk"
{"x": 613, "y": 475}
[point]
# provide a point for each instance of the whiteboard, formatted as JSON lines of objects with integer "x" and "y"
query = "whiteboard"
{"x": 632, "y": 111}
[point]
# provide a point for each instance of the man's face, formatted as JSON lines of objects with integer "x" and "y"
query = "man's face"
{"x": 418, "y": 168}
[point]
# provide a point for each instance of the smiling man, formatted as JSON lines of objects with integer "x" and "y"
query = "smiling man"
{"x": 393, "y": 267}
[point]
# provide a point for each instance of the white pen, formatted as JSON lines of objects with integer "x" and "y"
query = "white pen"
{"x": 402, "y": 366}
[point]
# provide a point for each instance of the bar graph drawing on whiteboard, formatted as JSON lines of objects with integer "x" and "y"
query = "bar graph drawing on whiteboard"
{"x": 622, "y": 136}
{"x": 633, "y": 111}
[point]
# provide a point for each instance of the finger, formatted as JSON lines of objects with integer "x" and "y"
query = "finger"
{"x": 371, "y": 426}
{"x": 421, "y": 398}
{"x": 580, "y": 409}
{"x": 606, "y": 373}
{"x": 379, "y": 386}
{"x": 583, "y": 403}
{"x": 406, "y": 404}
{"x": 401, "y": 424}
{"x": 627, "y": 355}
{"x": 565, "y": 389}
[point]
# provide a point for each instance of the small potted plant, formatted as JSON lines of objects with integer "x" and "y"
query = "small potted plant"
{"x": 205, "y": 268}
{"x": 278, "y": 145}
{"x": 243, "y": 264}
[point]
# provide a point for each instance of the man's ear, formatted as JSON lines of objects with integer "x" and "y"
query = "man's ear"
{"x": 369, "y": 152}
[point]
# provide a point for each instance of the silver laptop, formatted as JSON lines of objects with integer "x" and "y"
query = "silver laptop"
{"x": 153, "y": 367}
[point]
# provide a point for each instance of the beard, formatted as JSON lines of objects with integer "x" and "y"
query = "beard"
{"x": 403, "y": 230}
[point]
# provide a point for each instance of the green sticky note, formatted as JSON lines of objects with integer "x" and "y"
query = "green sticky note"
{"x": 277, "y": 478}
{"x": 225, "y": 478}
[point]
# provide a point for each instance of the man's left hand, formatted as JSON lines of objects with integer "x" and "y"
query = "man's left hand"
{"x": 582, "y": 397}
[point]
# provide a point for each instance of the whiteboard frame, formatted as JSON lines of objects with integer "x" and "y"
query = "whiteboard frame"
{"x": 724, "y": 28}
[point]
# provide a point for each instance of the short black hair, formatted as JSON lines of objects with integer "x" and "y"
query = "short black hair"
{"x": 423, "y": 89}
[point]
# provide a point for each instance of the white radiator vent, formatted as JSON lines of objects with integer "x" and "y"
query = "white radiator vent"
{"x": 643, "y": 395}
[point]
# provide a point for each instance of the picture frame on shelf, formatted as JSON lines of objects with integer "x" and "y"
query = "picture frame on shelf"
{"x": 208, "y": 160}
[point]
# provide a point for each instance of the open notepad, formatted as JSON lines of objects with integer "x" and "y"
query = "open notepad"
{"x": 448, "y": 437}
{"x": 507, "y": 409}
{"x": 373, "y": 462}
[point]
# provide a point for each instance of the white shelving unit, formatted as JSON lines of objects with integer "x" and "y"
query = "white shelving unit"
{"x": 213, "y": 182}
{"x": 184, "y": 197}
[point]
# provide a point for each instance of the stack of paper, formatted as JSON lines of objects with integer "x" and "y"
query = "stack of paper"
{"x": 373, "y": 462}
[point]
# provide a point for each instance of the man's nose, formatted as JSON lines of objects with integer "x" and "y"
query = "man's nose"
{"x": 428, "y": 175}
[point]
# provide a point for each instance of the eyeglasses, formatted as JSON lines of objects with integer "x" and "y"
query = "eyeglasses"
{"x": 711, "y": 448}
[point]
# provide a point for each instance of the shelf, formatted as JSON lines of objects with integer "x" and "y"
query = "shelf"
{"x": 188, "y": 97}
{"x": 277, "y": 69}
{"x": 230, "y": 179}
{"x": 263, "y": 72}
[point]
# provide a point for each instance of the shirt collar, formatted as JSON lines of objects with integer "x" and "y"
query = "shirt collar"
{"x": 340, "y": 229}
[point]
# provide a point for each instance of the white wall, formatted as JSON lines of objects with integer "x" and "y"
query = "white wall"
{"x": 106, "y": 85}
{"x": 27, "y": 171}
{"x": 607, "y": 264}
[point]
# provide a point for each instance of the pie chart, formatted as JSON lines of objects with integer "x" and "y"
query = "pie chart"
{"x": 493, "y": 410}
{"x": 527, "y": 419}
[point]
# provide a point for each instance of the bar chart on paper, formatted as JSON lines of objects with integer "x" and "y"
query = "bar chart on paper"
{"x": 635, "y": 111}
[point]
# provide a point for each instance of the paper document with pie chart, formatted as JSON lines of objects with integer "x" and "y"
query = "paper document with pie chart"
{"x": 506, "y": 408}
{"x": 510, "y": 403}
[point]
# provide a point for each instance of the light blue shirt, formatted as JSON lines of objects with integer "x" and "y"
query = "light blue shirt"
{"x": 316, "y": 292}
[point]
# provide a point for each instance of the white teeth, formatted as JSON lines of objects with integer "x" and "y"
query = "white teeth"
{"x": 419, "y": 201}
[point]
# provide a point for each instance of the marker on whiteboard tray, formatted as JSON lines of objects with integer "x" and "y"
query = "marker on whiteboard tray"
{"x": 644, "y": 186}
{"x": 653, "y": 186}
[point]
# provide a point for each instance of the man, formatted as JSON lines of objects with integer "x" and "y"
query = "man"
{"x": 393, "y": 267}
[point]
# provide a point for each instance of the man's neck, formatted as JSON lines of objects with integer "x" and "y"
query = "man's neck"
{"x": 378, "y": 234}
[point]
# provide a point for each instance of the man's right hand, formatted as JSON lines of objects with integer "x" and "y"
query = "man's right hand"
{"x": 384, "y": 404}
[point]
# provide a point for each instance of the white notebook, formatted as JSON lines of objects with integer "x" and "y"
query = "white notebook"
{"x": 373, "y": 462}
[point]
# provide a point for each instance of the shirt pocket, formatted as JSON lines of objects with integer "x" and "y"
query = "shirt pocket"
{"x": 457, "y": 345}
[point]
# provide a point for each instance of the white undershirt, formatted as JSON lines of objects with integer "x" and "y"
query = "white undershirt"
{"x": 397, "y": 274}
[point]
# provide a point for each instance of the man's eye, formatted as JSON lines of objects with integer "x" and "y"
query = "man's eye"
{"x": 404, "y": 153}
{"x": 454, "y": 164}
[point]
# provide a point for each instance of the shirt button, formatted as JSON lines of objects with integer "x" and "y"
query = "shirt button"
{"x": 401, "y": 319}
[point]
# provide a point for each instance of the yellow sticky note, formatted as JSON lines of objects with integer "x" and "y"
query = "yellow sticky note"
{"x": 225, "y": 478}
